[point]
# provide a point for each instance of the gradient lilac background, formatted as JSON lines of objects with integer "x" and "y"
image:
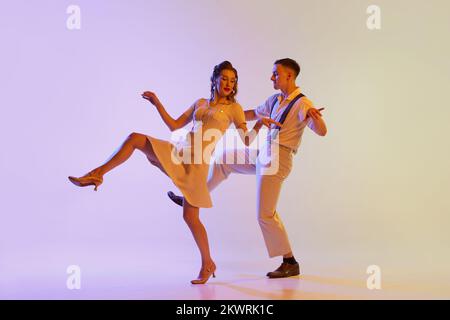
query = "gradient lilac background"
{"x": 373, "y": 191}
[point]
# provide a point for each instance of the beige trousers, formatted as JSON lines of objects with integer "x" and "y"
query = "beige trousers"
{"x": 269, "y": 184}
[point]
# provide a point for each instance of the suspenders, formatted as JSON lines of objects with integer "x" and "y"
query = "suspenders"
{"x": 286, "y": 111}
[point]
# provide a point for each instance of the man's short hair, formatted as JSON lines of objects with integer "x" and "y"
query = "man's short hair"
{"x": 289, "y": 63}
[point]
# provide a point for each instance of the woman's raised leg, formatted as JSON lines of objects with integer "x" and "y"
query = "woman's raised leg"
{"x": 133, "y": 141}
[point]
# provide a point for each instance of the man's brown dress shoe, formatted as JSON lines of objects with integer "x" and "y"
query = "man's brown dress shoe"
{"x": 285, "y": 270}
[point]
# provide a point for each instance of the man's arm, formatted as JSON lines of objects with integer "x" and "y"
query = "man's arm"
{"x": 315, "y": 121}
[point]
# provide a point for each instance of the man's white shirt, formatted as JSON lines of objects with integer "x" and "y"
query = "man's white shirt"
{"x": 291, "y": 133}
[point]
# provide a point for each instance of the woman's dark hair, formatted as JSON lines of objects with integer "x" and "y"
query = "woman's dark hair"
{"x": 289, "y": 63}
{"x": 225, "y": 65}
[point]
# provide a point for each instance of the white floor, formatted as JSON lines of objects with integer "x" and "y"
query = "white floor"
{"x": 235, "y": 280}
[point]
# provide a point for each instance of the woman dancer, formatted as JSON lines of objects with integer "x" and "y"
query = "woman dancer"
{"x": 180, "y": 162}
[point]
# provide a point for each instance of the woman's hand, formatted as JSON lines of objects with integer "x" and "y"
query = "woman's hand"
{"x": 151, "y": 96}
{"x": 268, "y": 122}
{"x": 248, "y": 137}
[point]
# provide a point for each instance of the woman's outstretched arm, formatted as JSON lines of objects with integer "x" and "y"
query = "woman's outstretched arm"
{"x": 171, "y": 123}
{"x": 247, "y": 137}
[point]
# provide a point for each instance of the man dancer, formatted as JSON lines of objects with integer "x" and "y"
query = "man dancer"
{"x": 294, "y": 111}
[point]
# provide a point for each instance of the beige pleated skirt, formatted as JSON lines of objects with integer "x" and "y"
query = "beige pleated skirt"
{"x": 189, "y": 178}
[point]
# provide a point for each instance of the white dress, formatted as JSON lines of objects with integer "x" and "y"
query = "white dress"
{"x": 188, "y": 169}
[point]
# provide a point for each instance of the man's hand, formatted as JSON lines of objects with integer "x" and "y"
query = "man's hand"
{"x": 268, "y": 122}
{"x": 151, "y": 96}
{"x": 314, "y": 113}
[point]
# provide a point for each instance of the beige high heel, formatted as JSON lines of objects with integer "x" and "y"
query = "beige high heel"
{"x": 87, "y": 180}
{"x": 204, "y": 275}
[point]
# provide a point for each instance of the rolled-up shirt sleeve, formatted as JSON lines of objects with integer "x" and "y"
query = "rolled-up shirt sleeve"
{"x": 305, "y": 105}
{"x": 263, "y": 110}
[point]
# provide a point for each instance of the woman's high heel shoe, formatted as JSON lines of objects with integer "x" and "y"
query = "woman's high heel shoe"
{"x": 88, "y": 179}
{"x": 204, "y": 275}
